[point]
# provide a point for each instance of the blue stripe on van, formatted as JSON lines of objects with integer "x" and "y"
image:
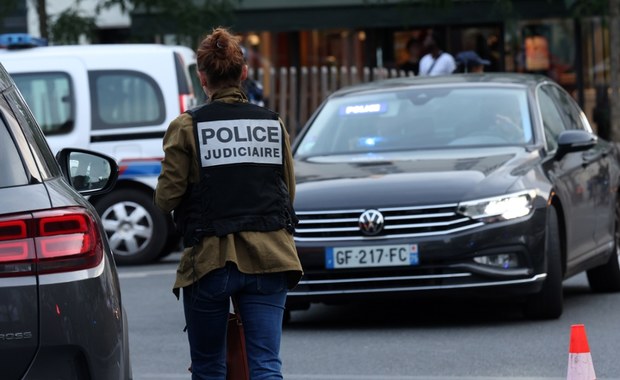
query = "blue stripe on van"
{"x": 139, "y": 168}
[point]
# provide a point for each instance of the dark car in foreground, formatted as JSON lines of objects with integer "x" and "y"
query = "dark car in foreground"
{"x": 61, "y": 315}
{"x": 485, "y": 185}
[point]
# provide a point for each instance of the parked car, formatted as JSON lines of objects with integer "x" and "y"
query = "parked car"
{"x": 61, "y": 313}
{"x": 473, "y": 184}
{"x": 118, "y": 100}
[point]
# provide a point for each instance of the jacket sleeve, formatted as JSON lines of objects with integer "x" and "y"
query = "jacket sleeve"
{"x": 289, "y": 171}
{"x": 175, "y": 167}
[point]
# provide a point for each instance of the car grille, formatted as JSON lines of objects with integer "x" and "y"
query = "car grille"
{"x": 400, "y": 222}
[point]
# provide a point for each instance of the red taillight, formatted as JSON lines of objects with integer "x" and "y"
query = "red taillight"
{"x": 186, "y": 101}
{"x": 17, "y": 252}
{"x": 13, "y": 243}
{"x": 58, "y": 240}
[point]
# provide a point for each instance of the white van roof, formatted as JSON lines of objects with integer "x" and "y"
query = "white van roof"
{"x": 93, "y": 55}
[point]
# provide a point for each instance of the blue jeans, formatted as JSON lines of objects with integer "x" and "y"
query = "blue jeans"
{"x": 260, "y": 299}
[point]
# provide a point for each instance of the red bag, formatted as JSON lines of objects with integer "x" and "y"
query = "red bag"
{"x": 236, "y": 358}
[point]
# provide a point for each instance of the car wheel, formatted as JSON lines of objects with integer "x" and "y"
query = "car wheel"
{"x": 606, "y": 278}
{"x": 136, "y": 228}
{"x": 548, "y": 303}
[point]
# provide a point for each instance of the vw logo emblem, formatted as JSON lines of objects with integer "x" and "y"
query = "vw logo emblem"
{"x": 371, "y": 222}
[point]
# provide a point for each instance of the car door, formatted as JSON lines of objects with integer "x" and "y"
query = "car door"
{"x": 603, "y": 192}
{"x": 569, "y": 174}
{"x": 597, "y": 166}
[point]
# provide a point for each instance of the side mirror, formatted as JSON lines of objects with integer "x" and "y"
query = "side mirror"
{"x": 88, "y": 172}
{"x": 575, "y": 141}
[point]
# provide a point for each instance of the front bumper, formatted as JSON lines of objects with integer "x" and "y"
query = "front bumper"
{"x": 446, "y": 266}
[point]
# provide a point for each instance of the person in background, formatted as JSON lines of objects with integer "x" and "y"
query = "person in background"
{"x": 436, "y": 61}
{"x": 227, "y": 175}
{"x": 470, "y": 62}
{"x": 412, "y": 64}
{"x": 252, "y": 88}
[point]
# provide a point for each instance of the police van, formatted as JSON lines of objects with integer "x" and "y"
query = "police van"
{"x": 119, "y": 100}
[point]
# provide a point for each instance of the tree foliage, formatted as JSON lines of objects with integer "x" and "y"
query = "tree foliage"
{"x": 70, "y": 25}
{"x": 187, "y": 19}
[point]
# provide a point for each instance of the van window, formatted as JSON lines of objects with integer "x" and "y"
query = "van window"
{"x": 199, "y": 93}
{"x": 124, "y": 98}
{"x": 46, "y": 163}
{"x": 50, "y": 97}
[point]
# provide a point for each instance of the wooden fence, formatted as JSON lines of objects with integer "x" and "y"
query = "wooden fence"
{"x": 295, "y": 93}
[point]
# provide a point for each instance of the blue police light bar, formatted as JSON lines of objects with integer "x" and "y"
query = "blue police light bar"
{"x": 20, "y": 40}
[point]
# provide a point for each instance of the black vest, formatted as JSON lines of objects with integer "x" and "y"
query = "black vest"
{"x": 241, "y": 188}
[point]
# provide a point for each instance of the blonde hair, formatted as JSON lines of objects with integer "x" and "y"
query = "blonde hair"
{"x": 220, "y": 57}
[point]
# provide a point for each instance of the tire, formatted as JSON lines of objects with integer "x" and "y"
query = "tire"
{"x": 548, "y": 303}
{"x": 606, "y": 278}
{"x": 136, "y": 228}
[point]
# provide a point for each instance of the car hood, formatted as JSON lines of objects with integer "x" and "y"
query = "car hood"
{"x": 413, "y": 178}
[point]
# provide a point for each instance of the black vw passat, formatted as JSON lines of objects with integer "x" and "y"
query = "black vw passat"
{"x": 61, "y": 315}
{"x": 480, "y": 184}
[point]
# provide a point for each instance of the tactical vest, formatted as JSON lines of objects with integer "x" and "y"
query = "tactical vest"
{"x": 240, "y": 149}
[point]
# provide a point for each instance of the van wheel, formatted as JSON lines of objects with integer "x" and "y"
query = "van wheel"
{"x": 606, "y": 278}
{"x": 136, "y": 228}
{"x": 548, "y": 303}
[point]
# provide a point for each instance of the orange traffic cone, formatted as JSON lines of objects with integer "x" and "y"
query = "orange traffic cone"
{"x": 580, "y": 365}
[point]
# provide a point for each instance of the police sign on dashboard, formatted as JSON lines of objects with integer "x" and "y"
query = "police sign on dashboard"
{"x": 226, "y": 142}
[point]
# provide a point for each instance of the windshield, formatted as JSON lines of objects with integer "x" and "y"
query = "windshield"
{"x": 420, "y": 118}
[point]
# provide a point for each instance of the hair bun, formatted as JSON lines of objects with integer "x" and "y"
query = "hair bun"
{"x": 219, "y": 55}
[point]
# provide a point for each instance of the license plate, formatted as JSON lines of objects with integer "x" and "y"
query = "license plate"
{"x": 371, "y": 256}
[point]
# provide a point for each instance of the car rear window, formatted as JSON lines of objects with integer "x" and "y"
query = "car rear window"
{"x": 11, "y": 166}
{"x": 125, "y": 98}
{"x": 50, "y": 97}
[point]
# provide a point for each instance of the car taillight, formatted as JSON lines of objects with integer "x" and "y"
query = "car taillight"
{"x": 58, "y": 240}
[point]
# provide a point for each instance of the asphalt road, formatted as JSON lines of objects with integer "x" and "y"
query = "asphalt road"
{"x": 453, "y": 340}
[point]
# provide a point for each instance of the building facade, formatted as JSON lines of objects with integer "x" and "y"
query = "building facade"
{"x": 546, "y": 37}
{"x": 518, "y": 36}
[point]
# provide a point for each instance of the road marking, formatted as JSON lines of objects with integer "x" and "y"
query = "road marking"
{"x": 146, "y": 274}
{"x": 361, "y": 377}
{"x": 402, "y": 377}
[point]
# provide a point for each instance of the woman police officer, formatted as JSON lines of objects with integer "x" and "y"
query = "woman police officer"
{"x": 227, "y": 174}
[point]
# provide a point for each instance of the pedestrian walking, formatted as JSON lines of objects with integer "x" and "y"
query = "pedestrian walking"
{"x": 412, "y": 65}
{"x": 470, "y": 62}
{"x": 436, "y": 61}
{"x": 227, "y": 176}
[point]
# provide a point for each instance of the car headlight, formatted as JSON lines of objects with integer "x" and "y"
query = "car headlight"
{"x": 504, "y": 207}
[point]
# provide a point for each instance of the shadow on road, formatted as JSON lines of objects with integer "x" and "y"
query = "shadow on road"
{"x": 431, "y": 312}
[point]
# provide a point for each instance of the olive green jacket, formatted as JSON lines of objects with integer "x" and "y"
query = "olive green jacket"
{"x": 252, "y": 252}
